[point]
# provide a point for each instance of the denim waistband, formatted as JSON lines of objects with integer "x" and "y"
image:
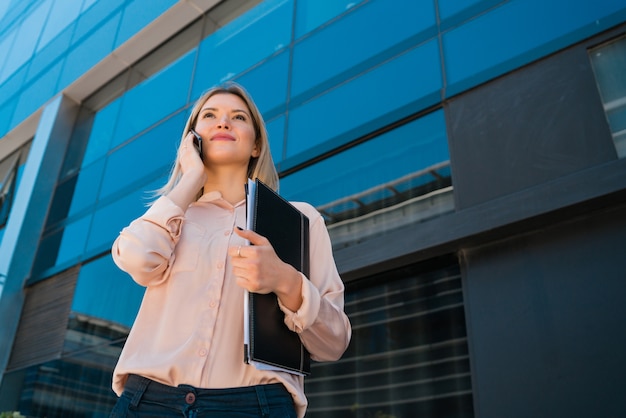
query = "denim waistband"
{"x": 141, "y": 388}
{"x": 136, "y": 383}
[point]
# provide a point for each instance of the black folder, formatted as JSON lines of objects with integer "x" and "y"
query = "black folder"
{"x": 268, "y": 343}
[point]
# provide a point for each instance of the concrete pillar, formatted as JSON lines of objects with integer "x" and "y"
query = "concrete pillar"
{"x": 29, "y": 212}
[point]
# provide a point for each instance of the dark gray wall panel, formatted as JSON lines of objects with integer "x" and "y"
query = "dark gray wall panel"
{"x": 545, "y": 316}
{"x": 531, "y": 126}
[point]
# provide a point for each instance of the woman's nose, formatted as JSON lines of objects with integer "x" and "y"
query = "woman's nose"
{"x": 222, "y": 122}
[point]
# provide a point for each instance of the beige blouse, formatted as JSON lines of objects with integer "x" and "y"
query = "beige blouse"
{"x": 189, "y": 329}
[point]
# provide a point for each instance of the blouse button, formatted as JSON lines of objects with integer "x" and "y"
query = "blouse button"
{"x": 202, "y": 352}
{"x": 227, "y": 232}
{"x": 190, "y": 398}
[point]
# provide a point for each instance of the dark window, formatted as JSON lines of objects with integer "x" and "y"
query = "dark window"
{"x": 408, "y": 355}
{"x": 9, "y": 174}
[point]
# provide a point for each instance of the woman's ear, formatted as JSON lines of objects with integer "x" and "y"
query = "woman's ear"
{"x": 256, "y": 151}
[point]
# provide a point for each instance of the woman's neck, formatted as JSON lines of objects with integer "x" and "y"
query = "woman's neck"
{"x": 231, "y": 184}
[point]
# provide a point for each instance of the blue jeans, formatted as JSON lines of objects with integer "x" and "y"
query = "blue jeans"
{"x": 144, "y": 398}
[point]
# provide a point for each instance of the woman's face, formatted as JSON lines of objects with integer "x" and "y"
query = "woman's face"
{"x": 227, "y": 130}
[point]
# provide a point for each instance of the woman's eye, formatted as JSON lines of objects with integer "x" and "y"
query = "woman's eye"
{"x": 240, "y": 117}
{"x": 208, "y": 115}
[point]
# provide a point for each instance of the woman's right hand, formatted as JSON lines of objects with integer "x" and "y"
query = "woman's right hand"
{"x": 188, "y": 157}
{"x": 194, "y": 174}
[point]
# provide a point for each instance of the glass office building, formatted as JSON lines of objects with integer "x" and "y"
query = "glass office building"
{"x": 468, "y": 158}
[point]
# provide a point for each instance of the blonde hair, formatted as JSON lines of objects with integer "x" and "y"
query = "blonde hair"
{"x": 261, "y": 167}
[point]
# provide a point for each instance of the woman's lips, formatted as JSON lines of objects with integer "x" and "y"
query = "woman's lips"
{"x": 222, "y": 137}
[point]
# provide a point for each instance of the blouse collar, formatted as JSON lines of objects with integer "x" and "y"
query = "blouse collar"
{"x": 216, "y": 198}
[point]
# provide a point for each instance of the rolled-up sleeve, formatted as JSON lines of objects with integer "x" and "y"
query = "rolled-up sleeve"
{"x": 321, "y": 322}
{"x": 145, "y": 248}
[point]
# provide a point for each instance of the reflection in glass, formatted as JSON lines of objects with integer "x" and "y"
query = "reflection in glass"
{"x": 408, "y": 356}
{"x": 399, "y": 177}
{"x": 609, "y": 65}
{"x": 79, "y": 383}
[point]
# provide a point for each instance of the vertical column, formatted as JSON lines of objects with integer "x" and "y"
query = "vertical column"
{"x": 29, "y": 212}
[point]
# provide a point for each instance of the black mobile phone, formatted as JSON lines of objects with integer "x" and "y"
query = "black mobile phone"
{"x": 197, "y": 142}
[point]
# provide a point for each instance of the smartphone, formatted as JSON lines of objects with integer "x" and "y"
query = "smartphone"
{"x": 197, "y": 142}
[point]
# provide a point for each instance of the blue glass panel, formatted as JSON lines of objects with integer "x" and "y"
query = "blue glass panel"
{"x": 53, "y": 51}
{"x": 62, "y": 14}
{"x": 388, "y": 157}
{"x": 312, "y": 13}
{"x": 35, "y": 95}
{"x": 515, "y": 34}
{"x": 47, "y": 250}
{"x": 6, "y": 114}
{"x": 13, "y": 85}
{"x": 138, "y": 14}
{"x": 3, "y": 8}
{"x": 104, "y": 291}
{"x": 87, "y": 187}
{"x": 5, "y": 46}
{"x": 88, "y": 52}
{"x": 74, "y": 240}
{"x": 452, "y": 12}
{"x": 154, "y": 99}
{"x": 448, "y": 8}
{"x": 276, "y": 132}
{"x": 90, "y": 19}
{"x": 88, "y": 3}
{"x": 109, "y": 220}
{"x": 102, "y": 132}
{"x": 356, "y": 108}
{"x": 152, "y": 152}
{"x": 267, "y": 84}
{"x": 25, "y": 40}
{"x": 366, "y": 36}
{"x": 242, "y": 43}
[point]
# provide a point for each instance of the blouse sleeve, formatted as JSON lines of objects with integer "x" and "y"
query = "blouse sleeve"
{"x": 323, "y": 326}
{"x": 145, "y": 248}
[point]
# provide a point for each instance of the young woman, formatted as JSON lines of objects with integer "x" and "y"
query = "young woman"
{"x": 184, "y": 354}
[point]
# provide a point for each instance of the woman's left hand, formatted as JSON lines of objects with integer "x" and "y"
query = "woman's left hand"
{"x": 258, "y": 269}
